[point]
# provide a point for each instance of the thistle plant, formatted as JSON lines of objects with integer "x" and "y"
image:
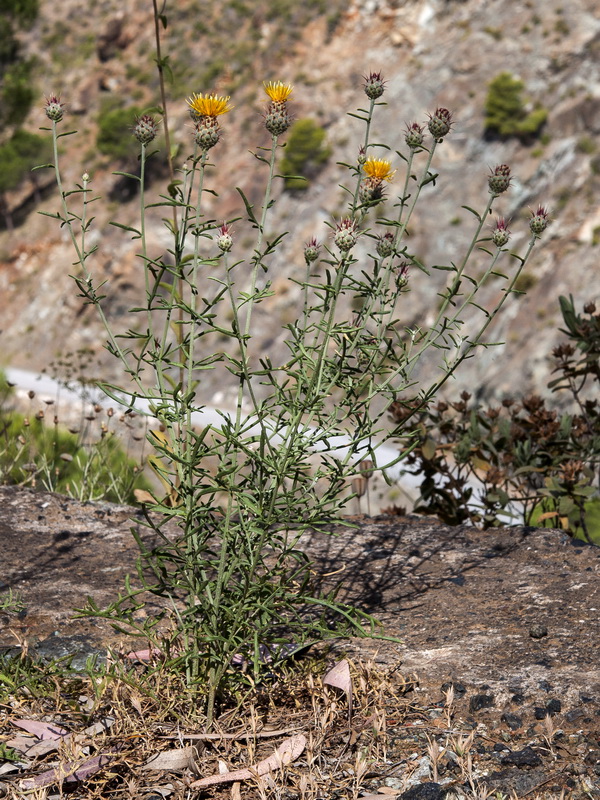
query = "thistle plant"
{"x": 243, "y": 491}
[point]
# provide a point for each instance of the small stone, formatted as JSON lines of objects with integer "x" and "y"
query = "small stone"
{"x": 500, "y": 747}
{"x": 479, "y": 701}
{"x": 459, "y": 688}
{"x": 553, "y": 706}
{"x": 514, "y": 721}
{"x": 538, "y": 631}
{"x": 545, "y": 686}
{"x": 540, "y": 713}
{"x": 424, "y": 791}
{"x": 574, "y": 714}
{"x": 393, "y": 783}
{"x": 518, "y": 699}
{"x": 522, "y": 758}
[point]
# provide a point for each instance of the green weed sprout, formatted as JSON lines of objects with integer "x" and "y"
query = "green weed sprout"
{"x": 243, "y": 491}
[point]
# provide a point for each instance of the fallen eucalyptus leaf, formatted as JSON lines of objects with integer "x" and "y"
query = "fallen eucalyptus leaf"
{"x": 339, "y": 677}
{"x": 173, "y": 760}
{"x": 43, "y": 730}
{"x": 71, "y": 772}
{"x": 288, "y": 751}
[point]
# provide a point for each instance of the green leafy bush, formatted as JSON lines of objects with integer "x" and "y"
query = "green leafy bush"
{"x": 48, "y": 457}
{"x": 305, "y": 153}
{"x": 24, "y": 11}
{"x": 19, "y": 155}
{"x": 114, "y": 133}
{"x": 17, "y": 93}
{"x": 505, "y": 112}
{"x": 16, "y": 85}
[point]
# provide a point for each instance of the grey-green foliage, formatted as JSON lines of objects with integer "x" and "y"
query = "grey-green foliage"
{"x": 304, "y": 154}
{"x": 17, "y": 92}
{"x": 505, "y": 111}
{"x": 16, "y": 85}
{"x": 115, "y": 137}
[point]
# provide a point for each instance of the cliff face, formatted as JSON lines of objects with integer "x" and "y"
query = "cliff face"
{"x": 431, "y": 53}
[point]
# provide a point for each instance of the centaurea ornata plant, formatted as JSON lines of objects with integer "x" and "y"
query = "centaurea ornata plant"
{"x": 245, "y": 488}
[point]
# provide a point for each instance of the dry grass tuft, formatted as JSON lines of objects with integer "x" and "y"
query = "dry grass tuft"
{"x": 134, "y": 733}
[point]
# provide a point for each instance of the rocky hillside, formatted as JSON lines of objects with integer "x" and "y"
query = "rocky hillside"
{"x": 431, "y": 52}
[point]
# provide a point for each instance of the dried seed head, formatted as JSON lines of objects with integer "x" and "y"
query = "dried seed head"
{"x": 359, "y": 485}
{"x": 366, "y": 468}
{"x": 374, "y": 85}
{"x": 499, "y": 179}
{"x": 440, "y": 123}
{"x": 539, "y": 221}
{"x": 145, "y": 129}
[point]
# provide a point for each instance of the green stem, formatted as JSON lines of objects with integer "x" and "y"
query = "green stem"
{"x": 365, "y": 147}
{"x": 434, "y": 333}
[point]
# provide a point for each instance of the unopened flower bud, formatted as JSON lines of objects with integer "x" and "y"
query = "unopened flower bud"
{"x": 374, "y": 85}
{"x": 414, "y": 135}
{"x": 145, "y": 129}
{"x": 385, "y": 245}
{"x": 54, "y": 108}
{"x": 225, "y": 239}
{"x": 499, "y": 179}
{"x": 539, "y": 221}
{"x": 346, "y": 234}
{"x": 402, "y": 275}
{"x": 362, "y": 155}
{"x": 440, "y": 123}
{"x": 311, "y": 250}
{"x": 501, "y": 233}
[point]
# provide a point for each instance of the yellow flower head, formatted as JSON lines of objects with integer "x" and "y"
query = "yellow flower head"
{"x": 210, "y": 106}
{"x": 278, "y": 91}
{"x": 379, "y": 168}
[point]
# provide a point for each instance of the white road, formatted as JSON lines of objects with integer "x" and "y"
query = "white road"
{"x": 47, "y": 388}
